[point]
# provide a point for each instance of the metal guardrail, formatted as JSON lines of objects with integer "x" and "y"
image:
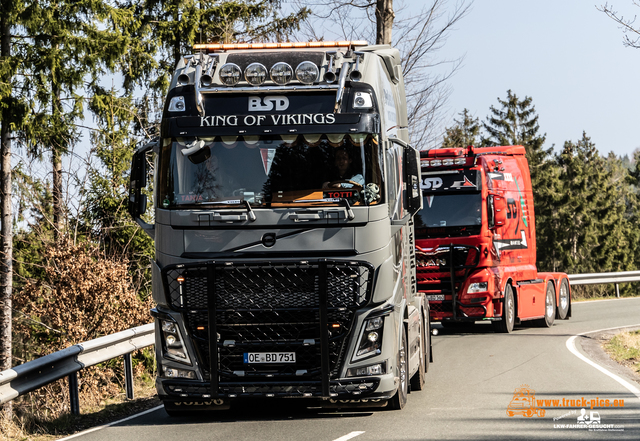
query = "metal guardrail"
{"x": 605, "y": 278}
{"x": 67, "y": 362}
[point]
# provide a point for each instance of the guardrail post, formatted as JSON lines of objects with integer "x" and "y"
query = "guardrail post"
{"x": 74, "y": 398}
{"x": 128, "y": 375}
{"x": 617, "y": 291}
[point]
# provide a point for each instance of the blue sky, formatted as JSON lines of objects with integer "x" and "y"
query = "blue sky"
{"x": 565, "y": 54}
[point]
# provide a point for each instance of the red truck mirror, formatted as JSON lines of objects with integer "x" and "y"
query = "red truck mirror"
{"x": 500, "y": 208}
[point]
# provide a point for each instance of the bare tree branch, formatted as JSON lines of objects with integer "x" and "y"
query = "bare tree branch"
{"x": 626, "y": 24}
{"x": 419, "y": 36}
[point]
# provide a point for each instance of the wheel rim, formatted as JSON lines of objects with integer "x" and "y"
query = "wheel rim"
{"x": 549, "y": 303}
{"x": 510, "y": 309}
{"x": 564, "y": 298}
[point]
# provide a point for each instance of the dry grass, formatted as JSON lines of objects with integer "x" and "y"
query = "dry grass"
{"x": 27, "y": 427}
{"x": 625, "y": 349}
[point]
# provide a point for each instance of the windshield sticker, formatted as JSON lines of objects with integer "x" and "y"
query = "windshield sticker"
{"x": 267, "y": 159}
{"x": 267, "y": 120}
{"x": 339, "y": 194}
{"x": 191, "y": 198}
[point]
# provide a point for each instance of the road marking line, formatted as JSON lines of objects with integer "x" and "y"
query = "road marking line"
{"x": 571, "y": 345}
{"x": 348, "y": 436}
{"x": 94, "y": 429}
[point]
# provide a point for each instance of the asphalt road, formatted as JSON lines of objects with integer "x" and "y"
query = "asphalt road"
{"x": 469, "y": 389}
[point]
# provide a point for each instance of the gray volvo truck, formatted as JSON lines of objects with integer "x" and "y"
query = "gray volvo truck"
{"x": 284, "y": 189}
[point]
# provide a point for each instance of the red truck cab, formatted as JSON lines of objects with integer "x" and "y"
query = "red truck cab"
{"x": 476, "y": 241}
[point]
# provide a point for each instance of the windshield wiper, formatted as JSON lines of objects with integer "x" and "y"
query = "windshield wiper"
{"x": 250, "y": 213}
{"x": 350, "y": 214}
{"x": 252, "y": 216}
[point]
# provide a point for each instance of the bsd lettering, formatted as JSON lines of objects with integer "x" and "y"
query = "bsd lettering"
{"x": 431, "y": 183}
{"x": 280, "y": 103}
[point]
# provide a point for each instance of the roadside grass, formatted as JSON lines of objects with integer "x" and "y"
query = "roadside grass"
{"x": 625, "y": 349}
{"x": 26, "y": 427}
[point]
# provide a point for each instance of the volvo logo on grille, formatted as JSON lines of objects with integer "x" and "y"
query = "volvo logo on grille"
{"x": 269, "y": 239}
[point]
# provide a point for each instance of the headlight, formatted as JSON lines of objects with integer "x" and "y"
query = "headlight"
{"x": 255, "y": 74}
{"x": 230, "y": 74}
{"x": 371, "y": 340}
{"x": 478, "y": 287}
{"x": 173, "y": 347}
{"x": 281, "y": 73}
{"x": 307, "y": 72}
{"x": 374, "y": 369}
{"x": 171, "y": 372}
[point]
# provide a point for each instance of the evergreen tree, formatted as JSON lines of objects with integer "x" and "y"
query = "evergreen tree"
{"x": 67, "y": 49}
{"x": 464, "y": 133}
{"x": 106, "y": 219}
{"x": 592, "y": 229}
{"x": 162, "y": 31}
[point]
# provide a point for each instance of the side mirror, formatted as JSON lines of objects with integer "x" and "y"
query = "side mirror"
{"x": 137, "y": 205}
{"x": 498, "y": 207}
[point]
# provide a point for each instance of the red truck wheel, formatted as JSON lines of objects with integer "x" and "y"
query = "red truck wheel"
{"x": 508, "y": 313}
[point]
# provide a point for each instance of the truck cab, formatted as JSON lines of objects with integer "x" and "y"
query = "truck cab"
{"x": 476, "y": 242}
{"x": 284, "y": 194}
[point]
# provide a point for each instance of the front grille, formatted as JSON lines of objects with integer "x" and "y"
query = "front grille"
{"x": 306, "y": 307}
{"x": 435, "y": 269}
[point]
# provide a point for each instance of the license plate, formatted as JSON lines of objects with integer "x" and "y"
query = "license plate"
{"x": 269, "y": 357}
{"x": 435, "y": 296}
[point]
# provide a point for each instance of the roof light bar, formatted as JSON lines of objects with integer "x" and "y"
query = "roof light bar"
{"x": 288, "y": 45}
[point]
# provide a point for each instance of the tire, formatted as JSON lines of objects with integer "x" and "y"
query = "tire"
{"x": 549, "y": 307}
{"x": 505, "y": 325}
{"x": 564, "y": 300}
{"x": 418, "y": 379}
{"x": 400, "y": 398}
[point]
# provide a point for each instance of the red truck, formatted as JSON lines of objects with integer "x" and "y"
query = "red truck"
{"x": 476, "y": 241}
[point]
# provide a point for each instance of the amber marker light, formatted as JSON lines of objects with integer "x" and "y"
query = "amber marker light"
{"x": 286, "y": 45}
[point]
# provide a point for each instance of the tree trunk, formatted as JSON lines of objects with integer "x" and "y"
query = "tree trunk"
{"x": 384, "y": 21}
{"x": 57, "y": 146}
{"x": 6, "y": 256}
{"x": 56, "y": 192}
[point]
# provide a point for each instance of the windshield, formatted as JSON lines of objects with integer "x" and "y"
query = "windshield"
{"x": 273, "y": 170}
{"x": 450, "y": 210}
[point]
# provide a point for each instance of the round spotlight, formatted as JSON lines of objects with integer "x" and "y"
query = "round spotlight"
{"x": 230, "y": 74}
{"x": 281, "y": 73}
{"x": 307, "y": 72}
{"x": 255, "y": 74}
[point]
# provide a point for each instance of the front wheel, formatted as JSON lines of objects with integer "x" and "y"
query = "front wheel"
{"x": 508, "y": 313}
{"x": 400, "y": 398}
